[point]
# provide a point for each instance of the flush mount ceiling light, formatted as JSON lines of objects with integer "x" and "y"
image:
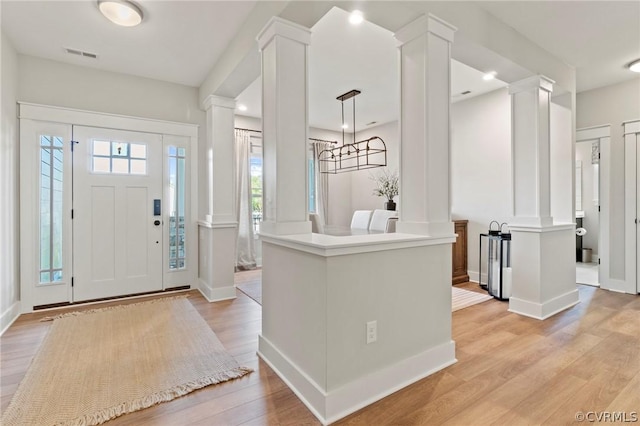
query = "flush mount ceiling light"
{"x": 121, "y": 12}
{"x": 356, "y": 17}
{"x": 489, "y": 76}
{"x": 635, "y": 66}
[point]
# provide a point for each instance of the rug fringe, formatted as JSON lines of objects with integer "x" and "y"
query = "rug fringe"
{"x": 107, "y": 414}
{"x": 111, "y": 308}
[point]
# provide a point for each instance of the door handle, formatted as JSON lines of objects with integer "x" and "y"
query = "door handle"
{"x": 156, "y": 222}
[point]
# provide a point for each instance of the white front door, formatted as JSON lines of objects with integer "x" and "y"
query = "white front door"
{"x": 117, "y": 213}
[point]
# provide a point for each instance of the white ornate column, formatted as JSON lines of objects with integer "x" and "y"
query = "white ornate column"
{"x": 425, "y": 61}
{"x": 543, "y": 253}
{"x": 218, "y": 231}
{"x": 284, "y": 127}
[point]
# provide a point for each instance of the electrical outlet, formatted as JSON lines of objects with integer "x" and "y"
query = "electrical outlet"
{"x": 372, "y": 331}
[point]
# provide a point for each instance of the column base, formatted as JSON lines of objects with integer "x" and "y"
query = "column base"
{"x": 544, "y": 273}
{"x": 217, "y": 243}
{"x": 544, "y": 310}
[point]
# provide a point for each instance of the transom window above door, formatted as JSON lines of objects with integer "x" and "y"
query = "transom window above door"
{"x": 119, "y": 157}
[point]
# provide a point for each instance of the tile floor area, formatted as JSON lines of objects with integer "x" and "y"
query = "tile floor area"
{"x": 587, "y": 273}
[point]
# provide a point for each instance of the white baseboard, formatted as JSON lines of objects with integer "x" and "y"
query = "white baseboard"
{"x": 619, "y": 286}
{"x": 331, "y": 406}
{"x": 9, "y": 316}
{"x": 544, "y": 310}
{"x": 216, "y": 294}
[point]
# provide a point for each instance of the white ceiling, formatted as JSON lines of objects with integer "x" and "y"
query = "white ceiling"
{"x": 343, "y": 57}
{"x": 180, "y": 42}
{"x": 598, "y": 38}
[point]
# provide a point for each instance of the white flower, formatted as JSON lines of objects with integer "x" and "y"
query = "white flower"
{"x": 386, "y": 184}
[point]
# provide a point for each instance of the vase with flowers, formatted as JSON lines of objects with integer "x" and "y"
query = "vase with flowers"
{"x": 386, "y": 186}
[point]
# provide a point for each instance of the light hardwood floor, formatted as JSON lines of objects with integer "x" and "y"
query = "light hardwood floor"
{"x": 511, "y": 370}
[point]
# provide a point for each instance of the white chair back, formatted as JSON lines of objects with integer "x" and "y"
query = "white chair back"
{"x": 380, "y": 218}
{"x": 361, "y": 219}
{"x": 316, "y": 225}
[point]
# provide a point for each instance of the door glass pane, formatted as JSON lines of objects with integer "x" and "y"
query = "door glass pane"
{"x": 119, "y": 165}
{"x": 138, "y": 150}
{"x": 138, "y": 167}
{"x": 177, "y": 208}
{"x": 102, "y": 148}
{"x": 51, "y": 208}
{"x": 101, "y": 165}
{"x": 119, "y": 149}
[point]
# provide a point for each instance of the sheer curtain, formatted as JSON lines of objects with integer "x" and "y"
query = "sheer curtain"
{"x": 322, "y": 182}
{"x": 245, "y": 243}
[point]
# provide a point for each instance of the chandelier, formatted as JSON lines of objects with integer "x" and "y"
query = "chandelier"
{"x": 365, "y": 154}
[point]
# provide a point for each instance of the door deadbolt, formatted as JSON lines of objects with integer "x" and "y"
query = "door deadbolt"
{"x": 156, "y": 222}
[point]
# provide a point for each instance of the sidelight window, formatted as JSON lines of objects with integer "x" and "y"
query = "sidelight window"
{"x": 177, "y": 204}
{"x": 51, "y": 203}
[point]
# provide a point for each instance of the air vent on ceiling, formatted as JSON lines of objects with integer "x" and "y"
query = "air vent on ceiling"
{"x": 81, "y": 53}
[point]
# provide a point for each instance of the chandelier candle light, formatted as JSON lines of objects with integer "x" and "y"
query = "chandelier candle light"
{"x": 365, "y": 154}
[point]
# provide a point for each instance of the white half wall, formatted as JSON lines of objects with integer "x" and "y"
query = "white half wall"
{"x": 481, "y": 166}
{"x": 612, "y": 105}
{"x": 9, "y": 193}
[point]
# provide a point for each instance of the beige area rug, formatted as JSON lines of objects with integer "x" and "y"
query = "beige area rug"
{"x": 96, "y": 365}
{"x": 461, "y": 298}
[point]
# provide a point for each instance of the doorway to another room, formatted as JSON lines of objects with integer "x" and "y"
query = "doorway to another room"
{"x": 587, "y": 202}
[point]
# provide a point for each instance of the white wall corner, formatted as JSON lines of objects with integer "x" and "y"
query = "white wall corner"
{"x": 219, "y": 101}
{"x": 331, "y": 406}
{"x": 9, "y": 316}
{"x": 530, "y": 83}
{"x": 422, "y": 25}
{"x": 281, "y": 27}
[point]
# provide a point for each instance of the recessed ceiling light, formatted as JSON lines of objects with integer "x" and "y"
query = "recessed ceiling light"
{"x": 121, "y": 12}
{"x": 356, "y": 17}
{"x": 242, "y": 107}
{"x": 635, "y": 66}
{"x": 489, "y": 76}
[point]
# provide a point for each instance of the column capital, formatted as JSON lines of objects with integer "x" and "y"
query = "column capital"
{"x": 532, "y": 83}
{"x": 281, "y": 27}
{"x": 425, "y": 24}
{"x": 219, "y": 101}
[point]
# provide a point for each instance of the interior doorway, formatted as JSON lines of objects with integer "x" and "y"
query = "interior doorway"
{"x": 587, "y": 201}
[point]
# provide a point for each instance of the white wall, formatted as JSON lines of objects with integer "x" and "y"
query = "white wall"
{"x": 49, "y": 82}
{"x": 9, "y": 195}
{"x": 481, "y": 165}
{"x": 612, "y": 105}
{"x": 362, "y": 185}
{"x": 591, "y": 215}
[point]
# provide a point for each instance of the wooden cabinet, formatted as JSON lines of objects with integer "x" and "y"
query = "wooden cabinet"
{"x": 459, "y": 258}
